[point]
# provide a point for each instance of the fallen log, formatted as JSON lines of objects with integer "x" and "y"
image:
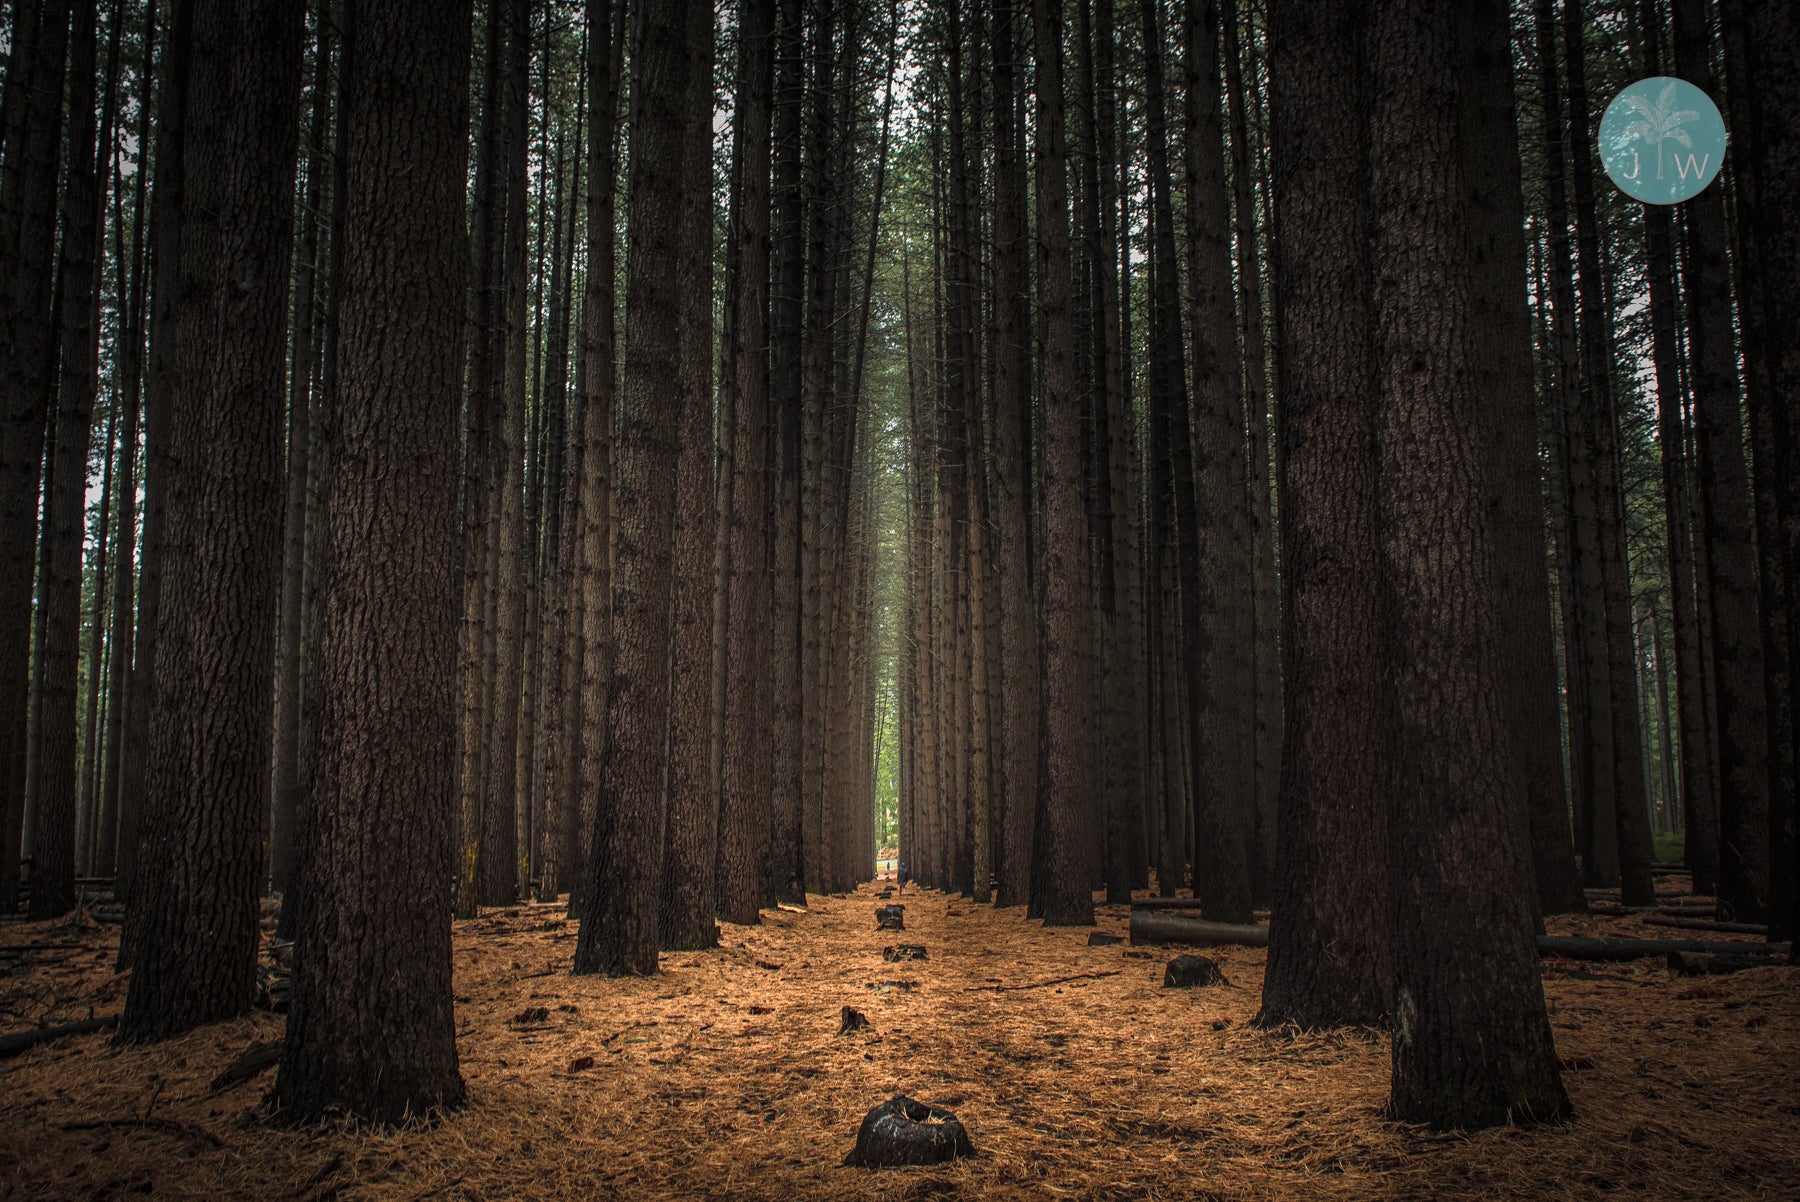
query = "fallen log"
{"x": 1706, "y": 924}
{"x": 1147, "y": 926}
{"x": 24, "y": 1041}
{"x": 1690, "y": 964}
{"x": 1578, "y": 947}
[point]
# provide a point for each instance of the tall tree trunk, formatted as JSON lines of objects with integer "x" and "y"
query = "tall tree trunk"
{"x": 1699, "y": 805}
{"x": 1620, "y": 835}
{"x": 195, "y": 941}
{"x": 605, "y": 27}
{"x": 1728, "y": 526}
{"x": 1222, "y": 720}
{"x": 1328, "y": 956}
{"x": 370, "y": 1031}
{"x": 28, "y": 205}
{"x": 498, "y": 862}
{"x": 301, "y": 359}
{"x": 619, "y": 912}
{"x": 1502, "y": 359}
{"x": 54, "y": 851}
{"x": 744, "y": 806}
{"x": 787, "y": 871}
{"x": 1265, "y": 599}
{"x": 690, "y": 853}
{"x": 1065, "y": 898}
{"x": 479, "y": 524}
{"x": 1472, "y": 1044}
{"x": 1012, "y": 468}
{"x": 1762, "y": 45}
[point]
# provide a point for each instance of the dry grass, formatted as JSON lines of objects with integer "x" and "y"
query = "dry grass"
{"x": 723, "y": 1077}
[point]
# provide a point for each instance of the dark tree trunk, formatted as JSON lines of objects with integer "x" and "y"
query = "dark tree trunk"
{"x": 1619, "y": 833}
{"x": 1728, "y": 528}
{"x": 1012, "y": 470}
{"x": 54, "y": 852}
{"x": 1221, "y": 721}
{"x": 28, "y": 202}
{"x": 605, "y": 30}
{"x": 1762, "y": 45}
{"x": 1501, "y": 358}
{"x": 745, "y": 810}
{"x": 619, "y": 910}
{"x": 370, "y": 1030}
{"x": 787, "y": 872}
{"x": 286, "y": 753}
{"x": 1472, "y": 1044}
{"x": 1328, "y": 956}
{"x": 690, "y": 855}
{"x": 1065, "y": 898}
{"x": 1699, "y": 805}
{"x": 195, "y": 923}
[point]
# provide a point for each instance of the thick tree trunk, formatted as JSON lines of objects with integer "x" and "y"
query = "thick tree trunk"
{"x": 1328, "y": 958}
{"x": 195, "y": 934}
{"x": 370, "y": 1030}
{"x": 619, "y": 910}
{"x": 1472, "y": 1044}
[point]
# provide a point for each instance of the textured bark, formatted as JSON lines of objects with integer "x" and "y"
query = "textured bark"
{"x": 370, "y": 1030}
{"x": 1472, "y": 1044}
{"x": 690, "y": 851}
{"x": 194, "y": 923}
{"x": 1728, "y": 527}
{"x": 1328, "y": 962}
{"x": 56, "y": 826}
{"x": 28, "y": 205}
{"x": 1222, "y": 720}
{"x": 744, "y": 806}
{"x": 135, "y": 816}
{"x": 1017, "y": 800}
{"x": 498, "y": 862}
{"x": 605, "y": 51}
{"x": 619, "y": 910}
{"x": 479, "y": 525}
{"x": 285, "y": 774}
{"x": 787, "y": 872}
{"x": 1762, "y": 43}
{"x": 1063, "y": 888}
{"x": 1501, "y": 361}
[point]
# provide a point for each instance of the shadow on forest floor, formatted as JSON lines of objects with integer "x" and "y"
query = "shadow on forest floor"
{"x": 724, "y": 1076}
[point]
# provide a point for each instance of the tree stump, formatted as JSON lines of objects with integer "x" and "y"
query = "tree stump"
{"x": 903, "y": 951}
{"x": 901, "y": 1131}
{"x": 890, "y": 918}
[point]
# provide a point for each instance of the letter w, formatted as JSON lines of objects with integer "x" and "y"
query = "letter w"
{"x": 1682, "y": 169}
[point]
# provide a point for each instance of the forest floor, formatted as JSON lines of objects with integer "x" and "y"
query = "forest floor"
{"x": 724, "y": 1077}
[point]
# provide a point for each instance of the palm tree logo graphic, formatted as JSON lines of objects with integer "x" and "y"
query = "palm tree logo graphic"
{"x": 1658, "y": 123}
